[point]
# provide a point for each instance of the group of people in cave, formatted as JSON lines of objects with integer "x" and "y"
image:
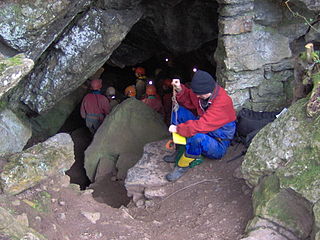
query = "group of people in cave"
{"x": 205, "y": 116}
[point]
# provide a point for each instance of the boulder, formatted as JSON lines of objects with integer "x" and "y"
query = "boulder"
{"x": 282, "y": 163}
{"x": 119, "y": 141}
{"x": 146, "y": 179}
{"x": 30, "y": 167}
{"x": 290, "y": 147}
{"x": 76, "y": 55}
{"x": 12, "y": 70}
{"x": 13, "y": 229}
{"x": 14, "y": 132}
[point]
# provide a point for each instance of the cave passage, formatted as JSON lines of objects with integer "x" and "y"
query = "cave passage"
{"x": 161, "y": 64}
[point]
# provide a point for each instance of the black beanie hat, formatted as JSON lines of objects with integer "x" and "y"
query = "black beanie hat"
{"x": 202, "y": 83}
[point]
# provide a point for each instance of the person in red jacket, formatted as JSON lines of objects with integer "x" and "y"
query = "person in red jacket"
{"x": 208, "y": 133}
{"x": 152, "y": 100}
{"x": 95, "y": 106}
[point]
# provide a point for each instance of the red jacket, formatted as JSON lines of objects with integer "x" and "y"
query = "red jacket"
{"x": 219, "y": 113}
{"x": 95, "y": 103}
{"x": 154, "y": 103}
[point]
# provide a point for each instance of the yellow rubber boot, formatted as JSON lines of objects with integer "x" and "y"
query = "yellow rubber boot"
{"x": 185, "y": 161}
{"x": 181, "y": 168}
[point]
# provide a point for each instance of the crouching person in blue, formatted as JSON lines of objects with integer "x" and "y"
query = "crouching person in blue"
{"x": 208, "y": 133}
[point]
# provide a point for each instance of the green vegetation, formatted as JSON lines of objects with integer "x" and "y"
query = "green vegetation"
{"x": 268, "y": 188}
{"x": 9, "y": 62}
{"x": 278, "y": 209}
{"x": 41, "y": 202}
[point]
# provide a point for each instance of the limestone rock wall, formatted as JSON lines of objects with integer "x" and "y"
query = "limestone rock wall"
{"x": 254, "y": 58}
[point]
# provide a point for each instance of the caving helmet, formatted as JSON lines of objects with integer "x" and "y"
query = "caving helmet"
{"x": 151, "y": 90}
{"x": 130, "y": 91}
{"x": 110, "y": 91}
{"x": 96, "y": 84}
{"x": 140, "y": 71}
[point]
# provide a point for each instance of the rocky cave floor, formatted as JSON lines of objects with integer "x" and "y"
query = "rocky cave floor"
{"x": 209, "y": 202}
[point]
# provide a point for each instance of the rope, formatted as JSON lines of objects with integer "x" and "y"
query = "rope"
{"x": 175, "y": 105}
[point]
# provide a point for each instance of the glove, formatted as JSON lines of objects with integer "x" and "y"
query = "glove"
{"x": 176, "y": 84}
{"x": 173, "y": 128}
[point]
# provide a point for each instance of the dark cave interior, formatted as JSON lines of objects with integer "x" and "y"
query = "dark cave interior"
{"x": 160, "y": 63}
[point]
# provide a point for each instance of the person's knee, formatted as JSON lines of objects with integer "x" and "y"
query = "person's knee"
{"x": 198, "y": 138}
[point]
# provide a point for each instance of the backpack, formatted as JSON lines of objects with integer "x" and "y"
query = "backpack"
{"x": 249, "y": 123}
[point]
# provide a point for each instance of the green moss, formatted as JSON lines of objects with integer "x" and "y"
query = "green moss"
{"x": 9, "y": 62}
{"x": 3, "y": 105}
{"x": 277, "y": 209}
{"x": 266, "y": 190}
{"x": 42, "y": 202}
{"x": 2, "y": 67}
{"x": 16, "y": 60}
{"x": 307, "y": 174}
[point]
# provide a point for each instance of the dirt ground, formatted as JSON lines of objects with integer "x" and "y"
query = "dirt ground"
{"x": 207, "y": 203}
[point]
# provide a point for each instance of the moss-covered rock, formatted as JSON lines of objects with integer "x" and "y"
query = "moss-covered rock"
{"x": 28, "y": 168}
{"x": 11, "y": 228}
{"x": 287, "y": 152}
{"x": 120, "y": 139}
{"x": 283, "y": 207}
{"x": 12, "y": 70}
{"x": 265, "y": 191}
{"x": 289, "y": 146}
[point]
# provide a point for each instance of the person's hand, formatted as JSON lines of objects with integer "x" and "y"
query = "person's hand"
{"x": 176, "y": 84}
{"x": 173, "y": 128}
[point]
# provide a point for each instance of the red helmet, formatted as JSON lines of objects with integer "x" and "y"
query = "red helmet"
{"x": 167, "y": 82}
{"x": 130, "y": 91}
{"x": 151, "y": 90}
{"x": 96, "y": 84}
{"x": 140, "y": 70}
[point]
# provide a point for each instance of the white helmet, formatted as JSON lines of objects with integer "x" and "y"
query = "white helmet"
{"x": 110, "y": 91}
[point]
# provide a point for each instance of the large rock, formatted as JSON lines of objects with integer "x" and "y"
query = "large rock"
{"x": 76, "y": 56}
{"x": 287, "y": 152}
{"x": 32, "y": 26}
{"x": 13, "y": 229}
{"x": 14, "y": 132}
{"x": 281, "y": 210}
{"x": 146, "y": 179}
{"x": 29, "y": 168}
{"x": 48, "y": 123}
{"x": 120, "y": 139}
{"x": 12, "y": 70}
{"x": 289, "y": 146}
{"x": 261, "y": 46}
{"x": 268, "y": 13}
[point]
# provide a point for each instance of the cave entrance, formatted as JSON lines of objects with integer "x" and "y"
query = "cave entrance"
{"x": 187, "y": 39}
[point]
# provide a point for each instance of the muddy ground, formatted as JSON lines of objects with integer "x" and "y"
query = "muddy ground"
{"x": 207, "y": 203}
